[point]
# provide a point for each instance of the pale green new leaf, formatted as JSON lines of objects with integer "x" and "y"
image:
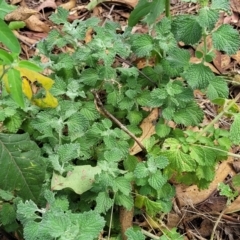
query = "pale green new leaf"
{"x": 207, "y": 18}
{"x": 104, "y": 202}
{"x": 177, "y": 159}
{"x": 221, "y": 5}
{"x": 114, "y": 155}
{"x": 226, "y": 39}
{"x": 192, "y": 114}
{"x": 142, "y": 45}
{"x": 5, "y": 8}
{"x": 80, "y": 179}
{"x": 187, "y": 29}
{"x": 235, "y": 130}
{"x": 217, "y": 88}
{"x": 22, "y": 168}
{"x": 27, "y": 211}
{"x": 152, "y": 207}
{"x": 203, "y": 156}
{"x": 6, "y": 195}
{"x": 198, "y": 76}
{"x": 134, "y": 234}
{"x": 89, "y": 77}
{"x": 157, "y": 180}
{"x": 161, "y": 161}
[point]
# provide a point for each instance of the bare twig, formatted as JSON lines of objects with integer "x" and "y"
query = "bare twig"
{"x": 105, "y": 112}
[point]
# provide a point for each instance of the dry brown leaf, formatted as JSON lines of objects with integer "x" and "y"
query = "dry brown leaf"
{"x": 192, "y": 195}
{"x": 14, "y": 2}
{"x": 69, "y": 5}
{"x": 148, "y": 129}
{"x": 34, "y": 24}
{"x": 88, "y": 36}
{"x": 236, "y": 56}
{"x": 24, "y": 38}
{"x": 20, "y": 14}
{"x": 221, "y": 61}
{"x": 235, "y": 5}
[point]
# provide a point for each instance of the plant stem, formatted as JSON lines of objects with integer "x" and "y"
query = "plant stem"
{"x": 167, "y": 8}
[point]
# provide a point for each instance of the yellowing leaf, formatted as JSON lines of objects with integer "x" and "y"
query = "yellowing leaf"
{"x": 48, "y": 101}
{"x": 35, "y": 76}
{"x": 27, "y": 90}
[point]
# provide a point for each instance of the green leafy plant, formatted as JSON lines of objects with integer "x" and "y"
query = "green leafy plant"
{"x": 92, "y": 116}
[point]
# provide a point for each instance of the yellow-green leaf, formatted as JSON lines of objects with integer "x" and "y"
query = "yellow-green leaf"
{"x": 48, "y": 101}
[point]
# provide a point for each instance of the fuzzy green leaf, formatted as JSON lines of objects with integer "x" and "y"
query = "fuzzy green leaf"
{"x": 68, "y": 152}
{"x": 152, "y": 207}
{"x": 162, "y": 130}
{"x": 226, "y": 39}
{"x": 60, "y": 16}
{"x": 217, "y": 88}
{"x": 6, "y": 195}
{"x": 13, "y": 123}
{"x": 7, "y": 213}
{"x": 104, "y": 202}
{"x": 123, "y": 200}
{"x": 192, "y": 114}
{"x": 207, "y": 18}
{"x": 203, "y": 156}
{"x": 178, "y": 159}
{"x": 157, "y": 180}
{"x": 198, "y": 76}
{"x": 22, "y": 169}
{"x": 235, "y": 130}
{"x": 134, "y": 117}
{"x": 187, "y": 29}
{"x": 123, "y": 185}
{"x": 141, "y": 171}
{"x": 220, "y": 5}
{"x": 89, "y": 77}
{"x": 134, "y": 235}
{"x": 142, "y": 45}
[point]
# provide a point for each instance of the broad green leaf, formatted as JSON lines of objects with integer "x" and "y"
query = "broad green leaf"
{"x": 207, "y": 18}
{"x": 220, "y": 5}
{"x": 15, "y": 86}
{"x": 134, "y": 234}
{"x": 89, "y": 77}
{"x": 6, "y": 57}
{"x": 203, "y": 156}
{"x": 235, "y": 130}
{"x": 7, "y": 213}
{"x": 134, "y": 117}
{"x": 226, "y": 39}
{"x": 5, "y": 9}
{"x": 22, "y": 169}
{"x": 104, "y": 202}
{"x": 217, "y": 88}
{"x": 60, "y": 16}
{"x": 67, "y": 152}
{"x": 29, "y": 65}
{"x": 13, "y": 122}
{"x": 192, "y": 114}
{"x": 162, "y": 130}
{"x": 157, "y": 180}
{"x": 177, "y": 158}
{"x": 142, "y": 44}
{"x": 90, "y": 225}
{"x": 152, "y": 207}
{"x": 187, "y": 29}
{"x": 123, "y": 200}
{"x": 206, "y": 173}
{"x": 8, "y": 38}
{"x": 80, "y": 179}
{"x": 141, "y": 171}
{"x": 198, "y": 76}
{"x": 123, "y": 185}
{"x": 6, "y": 195}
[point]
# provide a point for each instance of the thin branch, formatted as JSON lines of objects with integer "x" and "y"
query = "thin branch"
{"x": 106, "y": 113}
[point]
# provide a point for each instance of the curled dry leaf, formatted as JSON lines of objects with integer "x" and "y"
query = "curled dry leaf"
{"x": 221, "y": 61}
{"x": 14, "y": 2}
{"x": 34, "y": 24}
{"x": 148, "y": 129}
{"x": 20, "y": 14}
{"x": 47, "y": 4}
